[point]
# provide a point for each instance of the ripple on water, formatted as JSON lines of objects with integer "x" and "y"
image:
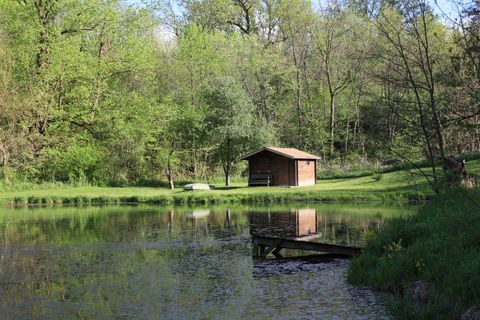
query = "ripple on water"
{"x": 312, "y": 289}
{"x": 137, "y": 268}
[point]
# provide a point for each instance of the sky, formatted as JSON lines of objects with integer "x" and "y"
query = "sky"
{"x": 447, "y": 6}
{"x": 441, "y": 7}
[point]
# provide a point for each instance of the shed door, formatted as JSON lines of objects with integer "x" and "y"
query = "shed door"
{"x": 306, "y": 172}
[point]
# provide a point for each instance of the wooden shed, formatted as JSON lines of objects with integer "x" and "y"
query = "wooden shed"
{"x": 281, "y": 167}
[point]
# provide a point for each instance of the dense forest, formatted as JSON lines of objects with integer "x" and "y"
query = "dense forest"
{"x": 115, "y": 92}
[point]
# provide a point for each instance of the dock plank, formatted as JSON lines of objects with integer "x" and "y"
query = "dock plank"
{"x": 276, "y": 244}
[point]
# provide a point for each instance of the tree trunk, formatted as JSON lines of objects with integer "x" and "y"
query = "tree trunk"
{"x": 169, "y": 171}
{"x": 5, "y": 158}
{"x": 45, "y": 16}
{"x": 298, "y": 99}
{"x": 299, "y": 106}
{"x": 347, "y": 131}
{"x": 226, "y": 169}
{"x": 356, "y": 125}
{"x": 227, "y": 165}
{"x": 332, "y": 122}
{"x": 433, "y": 101}
{"x": 4, "y": 171}
{"x": 194, "y": 159}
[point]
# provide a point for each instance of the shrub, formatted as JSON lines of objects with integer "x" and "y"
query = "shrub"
{"x": 80, "y": 164}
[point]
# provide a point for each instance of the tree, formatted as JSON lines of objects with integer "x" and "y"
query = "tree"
{"x": 198, "y": 57}
{"x": 413, "y": 56}
{"x": 337, "y": 42}
{"x": 14, "y": 114}
{"x": 296, "y": 28}
{"x": 184, "y": 134}
{"x": 89, "y": 91}
{"x": 87, "y": 68}
{"x": 462, "y": 80}
{"x": 231, "y": 124}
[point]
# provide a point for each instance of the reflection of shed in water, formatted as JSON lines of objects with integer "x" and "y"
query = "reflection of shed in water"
{"x": 284, "y": 224}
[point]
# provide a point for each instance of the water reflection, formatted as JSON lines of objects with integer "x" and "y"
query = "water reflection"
{"x": 310, "y": 224}
{"x": 295, "y": 223}
{"x": 196, "y": 214}
{"x": 167, "y": 263}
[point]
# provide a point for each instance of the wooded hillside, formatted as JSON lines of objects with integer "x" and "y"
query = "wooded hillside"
{"x": 111, "y": 92}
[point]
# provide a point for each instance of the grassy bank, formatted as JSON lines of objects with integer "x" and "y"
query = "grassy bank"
{"x": 98, "y": 195}
{"x": 430, "y": 261}
{"x": 391, "y": 186}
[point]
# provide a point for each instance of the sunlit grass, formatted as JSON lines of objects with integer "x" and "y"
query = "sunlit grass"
{"x": 398, "y": 185}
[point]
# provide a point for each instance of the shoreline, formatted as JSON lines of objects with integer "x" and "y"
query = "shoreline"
{"x": 274, "y": 196}
{"x": 394, "y": 186}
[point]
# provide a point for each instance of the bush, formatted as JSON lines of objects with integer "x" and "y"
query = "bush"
{"x": 470, "y": 156}
{"x": 80, "y": 164}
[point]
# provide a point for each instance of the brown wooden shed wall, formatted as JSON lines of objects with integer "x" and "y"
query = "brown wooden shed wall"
{"x": 284, "y": 171}
{"x": 292, "y": 175}
{"x": 281, "y": 168}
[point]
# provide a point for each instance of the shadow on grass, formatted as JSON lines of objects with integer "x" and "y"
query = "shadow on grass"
{"x": 421, "y": 188}
{"x": 231, "y": 188}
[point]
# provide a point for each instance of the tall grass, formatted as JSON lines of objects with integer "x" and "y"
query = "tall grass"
{"x": 26, "y": 186}
{"x": 438, "y": 248}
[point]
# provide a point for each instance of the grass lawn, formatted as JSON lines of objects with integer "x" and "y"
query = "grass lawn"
{"x": 397, "y": 185}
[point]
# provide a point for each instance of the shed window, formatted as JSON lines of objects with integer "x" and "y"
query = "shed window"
{"x": 307, "y": 162}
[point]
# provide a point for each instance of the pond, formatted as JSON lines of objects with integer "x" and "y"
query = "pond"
{"x": 147, "y": 262}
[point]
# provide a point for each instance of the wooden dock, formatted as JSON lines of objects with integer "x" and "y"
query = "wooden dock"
{"x": 262, "y": 246}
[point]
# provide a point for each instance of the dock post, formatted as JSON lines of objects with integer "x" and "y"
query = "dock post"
{"x": 255, "y": 248}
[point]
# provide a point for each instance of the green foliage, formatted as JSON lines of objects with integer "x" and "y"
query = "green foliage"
{"x": 147, "y": 102}
{"x": 75, "y": 164}
{"x": 471, "y": 156}
{"x": 439, "y": 246}
{"x": 231, "y": 126}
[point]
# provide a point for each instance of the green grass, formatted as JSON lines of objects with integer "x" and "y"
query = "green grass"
{"x": 391, "y": 186}
{"x": 439, "y": 247}
{"x": 359, "y": 170}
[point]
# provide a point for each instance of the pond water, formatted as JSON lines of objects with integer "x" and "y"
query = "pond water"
{"x": 147, "y": 262}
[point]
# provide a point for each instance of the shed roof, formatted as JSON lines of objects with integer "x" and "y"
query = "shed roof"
{"x": 291, "y": 153}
